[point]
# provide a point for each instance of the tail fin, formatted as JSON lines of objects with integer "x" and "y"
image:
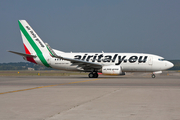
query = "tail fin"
{"x": 33, "y": 44}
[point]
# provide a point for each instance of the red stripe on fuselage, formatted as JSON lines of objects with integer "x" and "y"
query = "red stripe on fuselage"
{"x": 30, "y": 59}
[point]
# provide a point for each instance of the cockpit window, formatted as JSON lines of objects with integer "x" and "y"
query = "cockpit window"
{"x": 162, "y": 59}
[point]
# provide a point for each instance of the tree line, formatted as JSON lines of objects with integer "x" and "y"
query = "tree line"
{"x": 22, "y": 66}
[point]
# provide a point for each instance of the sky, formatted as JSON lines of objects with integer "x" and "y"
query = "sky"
{"x": 135, "y": 26}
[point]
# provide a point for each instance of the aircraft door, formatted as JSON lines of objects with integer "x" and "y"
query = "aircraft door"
{"x": 150, "y": 60}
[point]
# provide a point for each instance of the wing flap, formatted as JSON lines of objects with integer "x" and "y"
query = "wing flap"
{"x": 82, "y": 63}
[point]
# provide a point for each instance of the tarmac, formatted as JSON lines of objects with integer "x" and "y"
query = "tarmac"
{"x": 130, "y": 97}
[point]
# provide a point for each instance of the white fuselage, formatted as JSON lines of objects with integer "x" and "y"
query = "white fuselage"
{"x": 129, "y": 62}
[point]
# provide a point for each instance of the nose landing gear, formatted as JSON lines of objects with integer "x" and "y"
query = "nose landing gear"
{"x": 93, "y": 75}
{"x": 153, "y": 75}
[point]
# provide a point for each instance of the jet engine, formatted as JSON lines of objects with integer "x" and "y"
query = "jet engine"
{"x": 112, "y": 70}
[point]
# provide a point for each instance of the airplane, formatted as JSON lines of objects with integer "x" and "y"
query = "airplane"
{"x": 38, "y": 52}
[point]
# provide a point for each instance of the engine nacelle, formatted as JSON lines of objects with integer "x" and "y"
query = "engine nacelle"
{"x": 112, "y": 70}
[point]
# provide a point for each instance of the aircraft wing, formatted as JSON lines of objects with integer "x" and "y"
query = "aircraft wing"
{"x": 81, "y": 63}
{"x": 22, "y": 54}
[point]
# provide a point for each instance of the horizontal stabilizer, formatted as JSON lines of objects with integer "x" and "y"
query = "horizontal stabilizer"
{"x": 23, "y": 54}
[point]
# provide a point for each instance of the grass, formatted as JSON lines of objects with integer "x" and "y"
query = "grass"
{"x": 39, "y": 73}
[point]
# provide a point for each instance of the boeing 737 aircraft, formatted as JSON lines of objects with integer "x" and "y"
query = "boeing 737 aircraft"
{"x": 41, "y": 53}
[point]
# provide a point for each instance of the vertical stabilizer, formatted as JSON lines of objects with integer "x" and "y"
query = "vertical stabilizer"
{"x": 33, "y": 44}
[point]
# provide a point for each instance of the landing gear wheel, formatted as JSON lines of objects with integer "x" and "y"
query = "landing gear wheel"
{"x": 91, "y": 75}
{"x": 153, "y": 75}
{"x": 95, "y": 75}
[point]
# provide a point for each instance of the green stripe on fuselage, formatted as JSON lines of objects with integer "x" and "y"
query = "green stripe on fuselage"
{"x": 33, "y": 44}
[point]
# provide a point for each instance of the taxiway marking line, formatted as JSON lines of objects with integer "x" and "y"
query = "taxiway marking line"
{"x": 48, "y": 86}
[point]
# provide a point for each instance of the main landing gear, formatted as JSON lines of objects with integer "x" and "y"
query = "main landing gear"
{"x": 153, "y": 75}
{"x": 93, "y": 75}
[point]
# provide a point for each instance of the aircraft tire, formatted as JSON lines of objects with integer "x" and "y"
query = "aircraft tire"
{"x": 91, "y": 75}
{"x": 95, "y": 75}
{"x": 153, "y": 75}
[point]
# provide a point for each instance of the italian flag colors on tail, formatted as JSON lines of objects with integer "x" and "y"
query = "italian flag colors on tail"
{"x": 33, "y": 44}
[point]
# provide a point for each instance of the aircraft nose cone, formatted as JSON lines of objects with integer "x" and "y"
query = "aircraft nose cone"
{"x": 169, "y": 64}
